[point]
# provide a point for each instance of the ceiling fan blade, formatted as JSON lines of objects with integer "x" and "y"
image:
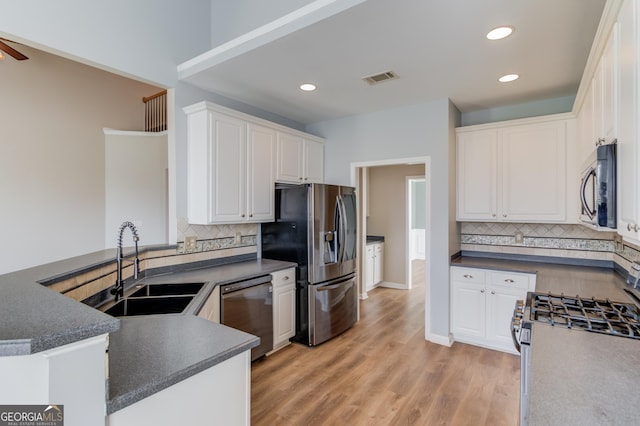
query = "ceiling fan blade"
{"x": 12, "y": 52}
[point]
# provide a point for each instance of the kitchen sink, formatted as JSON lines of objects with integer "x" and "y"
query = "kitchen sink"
{"x": 173, "y": 289}
{"x": 149, "y": 306}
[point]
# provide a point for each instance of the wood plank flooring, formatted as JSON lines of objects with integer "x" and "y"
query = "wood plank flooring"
{"x": 383, "y": 372}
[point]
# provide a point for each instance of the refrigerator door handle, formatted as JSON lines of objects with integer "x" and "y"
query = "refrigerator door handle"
{"x": 342, "y": 228}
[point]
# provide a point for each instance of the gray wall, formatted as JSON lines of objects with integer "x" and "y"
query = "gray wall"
{"x": 411, "y": 131}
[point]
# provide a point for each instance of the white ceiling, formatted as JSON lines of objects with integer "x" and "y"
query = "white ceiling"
{"x": 437, "y": 47}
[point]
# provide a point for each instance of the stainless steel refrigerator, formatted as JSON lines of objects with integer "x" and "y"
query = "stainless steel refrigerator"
{"x": 315, "y": 227}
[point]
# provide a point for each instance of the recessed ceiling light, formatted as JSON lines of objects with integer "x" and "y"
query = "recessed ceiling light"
{"x": 308, "y": 87}
{"x": 507, "y": 78}
{"x": 499, "y": 33}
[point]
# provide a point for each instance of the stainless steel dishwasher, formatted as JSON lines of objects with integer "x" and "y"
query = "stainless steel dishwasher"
{"x": 248, "y": 306}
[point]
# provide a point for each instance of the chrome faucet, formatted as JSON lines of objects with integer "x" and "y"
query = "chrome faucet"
{"x": 118, "y": 290}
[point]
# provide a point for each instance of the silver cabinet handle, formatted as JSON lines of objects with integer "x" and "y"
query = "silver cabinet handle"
{"x": 251, "y": 215}
{"x": 468, "y": 276}
{"x": 482, "y": 291}
{"x": 285, "y": 278}
{"x": 494, "y": 215}
{"x": 635, "y": 227}
{"x": 242, "y": 215}
{"x": 493, "y": 292}
{"x": 629, "y": 227}
{"x": 509, "y": 280}
{"x": 504, "y": 215}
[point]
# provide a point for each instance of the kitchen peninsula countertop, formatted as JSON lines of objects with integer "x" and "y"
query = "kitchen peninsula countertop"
{"x": 146, "y": 354}
{"x": 576, "y": 377}
{"x": 151, "y": 353}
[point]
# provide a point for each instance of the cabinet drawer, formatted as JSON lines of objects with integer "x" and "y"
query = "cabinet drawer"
{"x": 510, "y": 279}
{"x": 284, "y": 277}
{"x": 468, "y": 275}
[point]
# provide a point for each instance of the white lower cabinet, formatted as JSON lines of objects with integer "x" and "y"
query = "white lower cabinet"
{"x": 374, "y": 260}
{"x": 482, "y": 303}
{"x": 284, "y": 306}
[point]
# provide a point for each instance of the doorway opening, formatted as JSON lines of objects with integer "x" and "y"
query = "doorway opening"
{"x": 416, "y": 228}
{"x": 391, "y": 213}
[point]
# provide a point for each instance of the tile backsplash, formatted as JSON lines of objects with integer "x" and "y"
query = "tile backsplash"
{"x": 557, "y": 240}
{"x": 217, "y": 237}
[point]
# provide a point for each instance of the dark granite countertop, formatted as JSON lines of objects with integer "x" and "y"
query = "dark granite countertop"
{"x": 586, "y": 281}
{"x": 576, "y": 377}
{"x": 34, "y": 318}
{"x": 146, "y": 354}
{"x": 151, "y": 353}
{"x": 372, "y": 239}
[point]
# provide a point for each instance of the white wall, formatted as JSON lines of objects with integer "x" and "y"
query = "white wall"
{"x": 143, "y": 38}
{"x": 411, "y": 131}
{"x": 231, "y": 19}
{"x": 136, "y": 186}
{"x": 52, "y": 154}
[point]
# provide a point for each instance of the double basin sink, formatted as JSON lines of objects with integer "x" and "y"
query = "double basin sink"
{"x": 151, "y": 299}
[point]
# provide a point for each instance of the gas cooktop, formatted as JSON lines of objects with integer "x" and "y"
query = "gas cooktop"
{"x": 597, "y": 315}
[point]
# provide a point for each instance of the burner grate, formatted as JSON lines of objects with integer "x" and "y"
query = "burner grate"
{"x": 600, "y": 316}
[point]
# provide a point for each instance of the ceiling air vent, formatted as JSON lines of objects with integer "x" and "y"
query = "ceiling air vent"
{"x": 379, "y": 78}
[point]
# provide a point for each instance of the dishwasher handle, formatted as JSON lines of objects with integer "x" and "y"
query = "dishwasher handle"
{"x": 241, "y": 285}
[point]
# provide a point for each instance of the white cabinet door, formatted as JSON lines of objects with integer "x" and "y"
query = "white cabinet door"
{"x": 284, "y": 306}
{"x": 534, "y": 173}
{"x": 227, "y": 170}
{"x": 284, "y": 325}
{"x": 261, "y": 148}
{"x": 482, "y": 304}
{"x": 628, "y": 151}
{"x": 586, "y": 139}
{"x": 468, "y": 309}
{"x": 501, "y": 302}
{"x": 290, "y": 155}
{"x": 477, "y": 175}
{"x": 369, "y": 267}
{"x": 609, "y": 76}
{"x": 313, "y": 166}
{"x": 378, "y": 263}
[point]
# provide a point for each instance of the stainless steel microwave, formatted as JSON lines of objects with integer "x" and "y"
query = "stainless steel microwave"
{"x": 598, "y": 189}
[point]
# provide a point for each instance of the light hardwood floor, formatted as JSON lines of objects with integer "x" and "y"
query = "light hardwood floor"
{"x": 383, "y": 372}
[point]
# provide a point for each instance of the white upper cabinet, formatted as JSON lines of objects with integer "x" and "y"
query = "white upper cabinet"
{"x": 230, "y": 167}
{"x": 628, "y": 151}
{"x": 300, "y": 159}
{"x": 477, "y": 175}
{"x": 534, "y": 183}
{"x": 513, "y": 173}
{"x": 605, "y": 86}
{"x": 261, "y": 170}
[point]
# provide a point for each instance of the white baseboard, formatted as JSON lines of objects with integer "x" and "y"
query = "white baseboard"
{"x": 388, "y": 284}
{"x": 439, "y": 339}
